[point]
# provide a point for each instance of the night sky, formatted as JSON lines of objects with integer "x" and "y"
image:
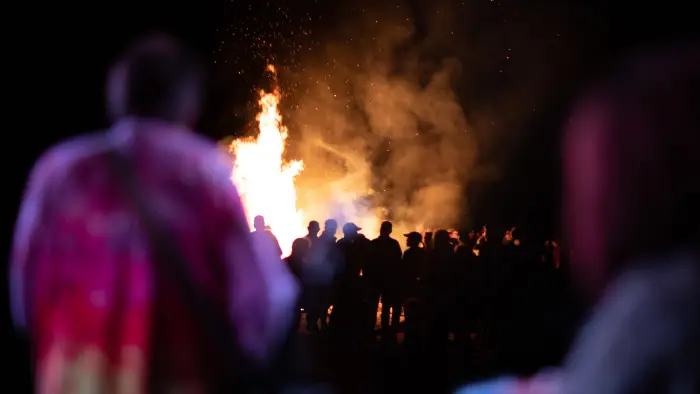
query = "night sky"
{"x": 523, "y": 61}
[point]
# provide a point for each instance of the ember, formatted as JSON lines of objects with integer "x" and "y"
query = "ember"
{"x": 264, "y": 179}
{"x": 267, "y": 182}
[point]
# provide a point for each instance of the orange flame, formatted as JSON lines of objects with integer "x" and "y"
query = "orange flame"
{"x": 264, "y": 179}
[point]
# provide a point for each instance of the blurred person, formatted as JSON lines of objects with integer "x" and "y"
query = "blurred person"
{"x": 139, "y": 289}
{"x": 630, "y": 164}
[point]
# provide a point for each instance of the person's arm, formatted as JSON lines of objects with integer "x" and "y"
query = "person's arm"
{"x": 32, "y": 213}
{"x": 397, "y": 251}
{"x": 262, "y": 292}
{"x": 277, "y": 245}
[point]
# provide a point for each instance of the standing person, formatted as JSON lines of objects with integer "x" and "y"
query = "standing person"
{"x": 384, "y": 280}
{"x": 324, "y": 258}
{"x": 296, "y": 262}
{"x": 263, "y": 237}
{"x": 132, "y": 258}
{"x": 312, "y": 235}
{"x": 414, "y": 260}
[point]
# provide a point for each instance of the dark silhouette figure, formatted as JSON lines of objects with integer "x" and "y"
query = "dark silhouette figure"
{"x": 263, "y": 237}
{"x": 323, "y": 263}
{"x": 296, "y": 262}
{"x": 415, "y": 260}
{"x": 312, "y": 235}
{"x": 349, "y": 307}
{"x": 440, "y": 286}
{"x": 385, "y": 279}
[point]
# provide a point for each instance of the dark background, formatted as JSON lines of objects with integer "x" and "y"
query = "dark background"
{"x": 58, "y": 55}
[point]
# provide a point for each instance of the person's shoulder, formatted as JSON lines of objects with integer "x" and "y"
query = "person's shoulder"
{"x": 188, "y": 144}
{"x": 60, "y": 160}
{"x": 185, "y": 141}
{"x": 188, "y": 151}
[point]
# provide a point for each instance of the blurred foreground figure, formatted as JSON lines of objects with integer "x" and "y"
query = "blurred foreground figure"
{"x": 632, "y": 198}
{"x": 88, "y": 280}
{"x": 631, "y": 159}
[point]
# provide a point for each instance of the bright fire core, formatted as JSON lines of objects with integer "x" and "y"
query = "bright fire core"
{"x": 264, "y": 179}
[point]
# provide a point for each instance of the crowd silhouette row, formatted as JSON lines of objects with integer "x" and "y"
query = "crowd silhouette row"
{"x": 442, "y": 288}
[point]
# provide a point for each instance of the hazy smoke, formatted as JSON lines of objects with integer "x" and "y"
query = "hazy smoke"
{"x": 376, "y": 97}
{"x": 382, "y": 131}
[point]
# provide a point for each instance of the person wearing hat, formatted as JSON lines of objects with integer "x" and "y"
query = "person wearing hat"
{"x": 348, "y": 309}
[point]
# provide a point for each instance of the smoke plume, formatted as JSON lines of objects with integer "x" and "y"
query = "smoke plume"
{"x": 381, "y": 129}
{"x": 401, "y": 111}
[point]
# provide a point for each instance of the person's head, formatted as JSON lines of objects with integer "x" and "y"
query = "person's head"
{"x": 631, "y": 159}
{"x": 385, "y": 229}
{"x": 156, "y": 78}
{"x": 442, "y": 239}
{"x": 413, "y": 239}
{"x": 330, "y": 227}
{"x": 483, "y": 231}
{"x": 259, "y": 223}
{"x": 350, "y": 229}
{"x": 509, "y": 235}
{"x": 300, "y": 247}
{"x": 313, "y": 228}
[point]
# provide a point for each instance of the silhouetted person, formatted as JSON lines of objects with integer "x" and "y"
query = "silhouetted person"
{"x": 385, "y": 279}
{"x": 296, "y": 262}
{"x": 313, "y": 229}
{"x": 471, "y": 275}
{"x": 468, "y": 239}
{"x": 349, "y": 309}
{"x": 440, "y": 283}
{"x": 353, "y": 245}
{"x": 132, "y": 266}
{"x": 481, "y": 245}
{"x": 428, "y": 240}
{"x": 323, "y": 262}
{"x": 263, "y": 237}
{"x": 415, "y": 260}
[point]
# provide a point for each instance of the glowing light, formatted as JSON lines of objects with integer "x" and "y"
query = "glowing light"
{"x": 264, "y": 179}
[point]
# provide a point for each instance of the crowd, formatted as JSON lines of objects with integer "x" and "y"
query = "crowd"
{"x": 446, "y": 286}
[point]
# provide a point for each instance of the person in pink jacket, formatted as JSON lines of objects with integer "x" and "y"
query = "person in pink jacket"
{"x": 132, "y": 261}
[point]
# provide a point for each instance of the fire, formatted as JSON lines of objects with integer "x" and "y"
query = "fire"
{"x": 264, "y": 179}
